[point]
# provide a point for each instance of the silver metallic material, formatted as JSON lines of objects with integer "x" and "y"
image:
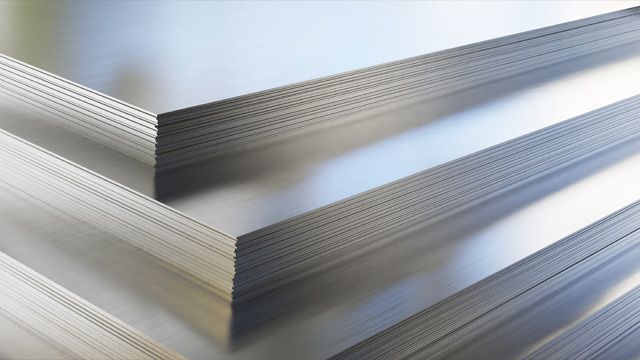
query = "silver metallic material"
{"x": 198, "y": 180}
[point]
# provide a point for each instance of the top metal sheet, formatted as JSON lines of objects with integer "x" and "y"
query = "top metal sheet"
{"x": 172, "y": 55}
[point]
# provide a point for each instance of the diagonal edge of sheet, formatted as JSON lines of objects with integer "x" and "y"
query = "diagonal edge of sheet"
{"x": 192, "y": 247}
{"x": 118, "y": 125}
{"x": 602, "y": 332}
{"x": 67, "y": 321}
{"x": 437, "y": 329}
{"x": 277, "y": 255}
{"x": 196, "y": 134}
{"x": 291, "y": 248}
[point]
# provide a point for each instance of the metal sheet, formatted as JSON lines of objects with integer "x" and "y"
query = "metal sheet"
{"x": 148, "y": 59}
{"x": 170, "y": 309}
{"x": 25, "y": 345}
{"x": 243, "y": 193}
{"x": 174, "y": 55}
{"x": 246, "y": 191}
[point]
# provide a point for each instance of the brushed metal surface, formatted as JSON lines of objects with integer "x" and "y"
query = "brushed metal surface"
{"x": 154, "y": 67}
{"x": 24, "y": 344}
{"x": 246, "y": 192}
{"x": 190, "y": 320}
{"x": 174, "y": 55}
{"x": 250, "y": 190}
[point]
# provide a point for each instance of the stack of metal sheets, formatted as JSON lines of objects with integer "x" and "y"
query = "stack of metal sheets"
{"x": 183, "y": 136}
{"x": 203, "y": 131}
{"x": 422, "y": 208}
{"x": 69, "y": 322}
{"x": 192, "y": 247}
{"x": 458, "y": 327}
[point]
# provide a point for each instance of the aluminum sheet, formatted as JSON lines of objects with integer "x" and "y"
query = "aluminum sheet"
{"x": 24, "y": 344}
{"x": 179, "y": 54}
{"x": 325, "y": 313}
{"x": 246, "y": 191}
{"x": 179, "y": 314}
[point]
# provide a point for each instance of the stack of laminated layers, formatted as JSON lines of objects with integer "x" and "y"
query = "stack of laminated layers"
{"x": 390, "y": 258}
{"x": 258, "y": 262}
{"x": 178, "y": 136}
{"x": 557, "y": 281}
{"x": 272, "y": 255}
{"x": 599, "y": 260}
{"x": 121, "y": 126}
{"x": 196, "y": 133}
{"x": 190, "y": 246}
{"x": 75, "y": 327}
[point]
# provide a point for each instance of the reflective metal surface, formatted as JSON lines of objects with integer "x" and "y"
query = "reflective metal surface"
{"x": 246, "y": 191}
{"x": 243, "y": 193}
{"x": 178, "y": 54}
{"x": 37, "y": 129}
{"x": 175, "y": 55}
{"x": 25, "y": 345}
{"x": 170, "y": 309}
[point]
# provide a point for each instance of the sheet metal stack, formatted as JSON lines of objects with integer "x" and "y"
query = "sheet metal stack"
{"x": 192, "y": 247}
{"x": 190, "y": 135}
{"x": 399, "y": 269}
{"x": 69, "y": 322}
{"x": 447, "y": 329}
{"x": 119, "y": 125}
{"x": 177, "y": 137}
{"x": 324, "y": 235}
